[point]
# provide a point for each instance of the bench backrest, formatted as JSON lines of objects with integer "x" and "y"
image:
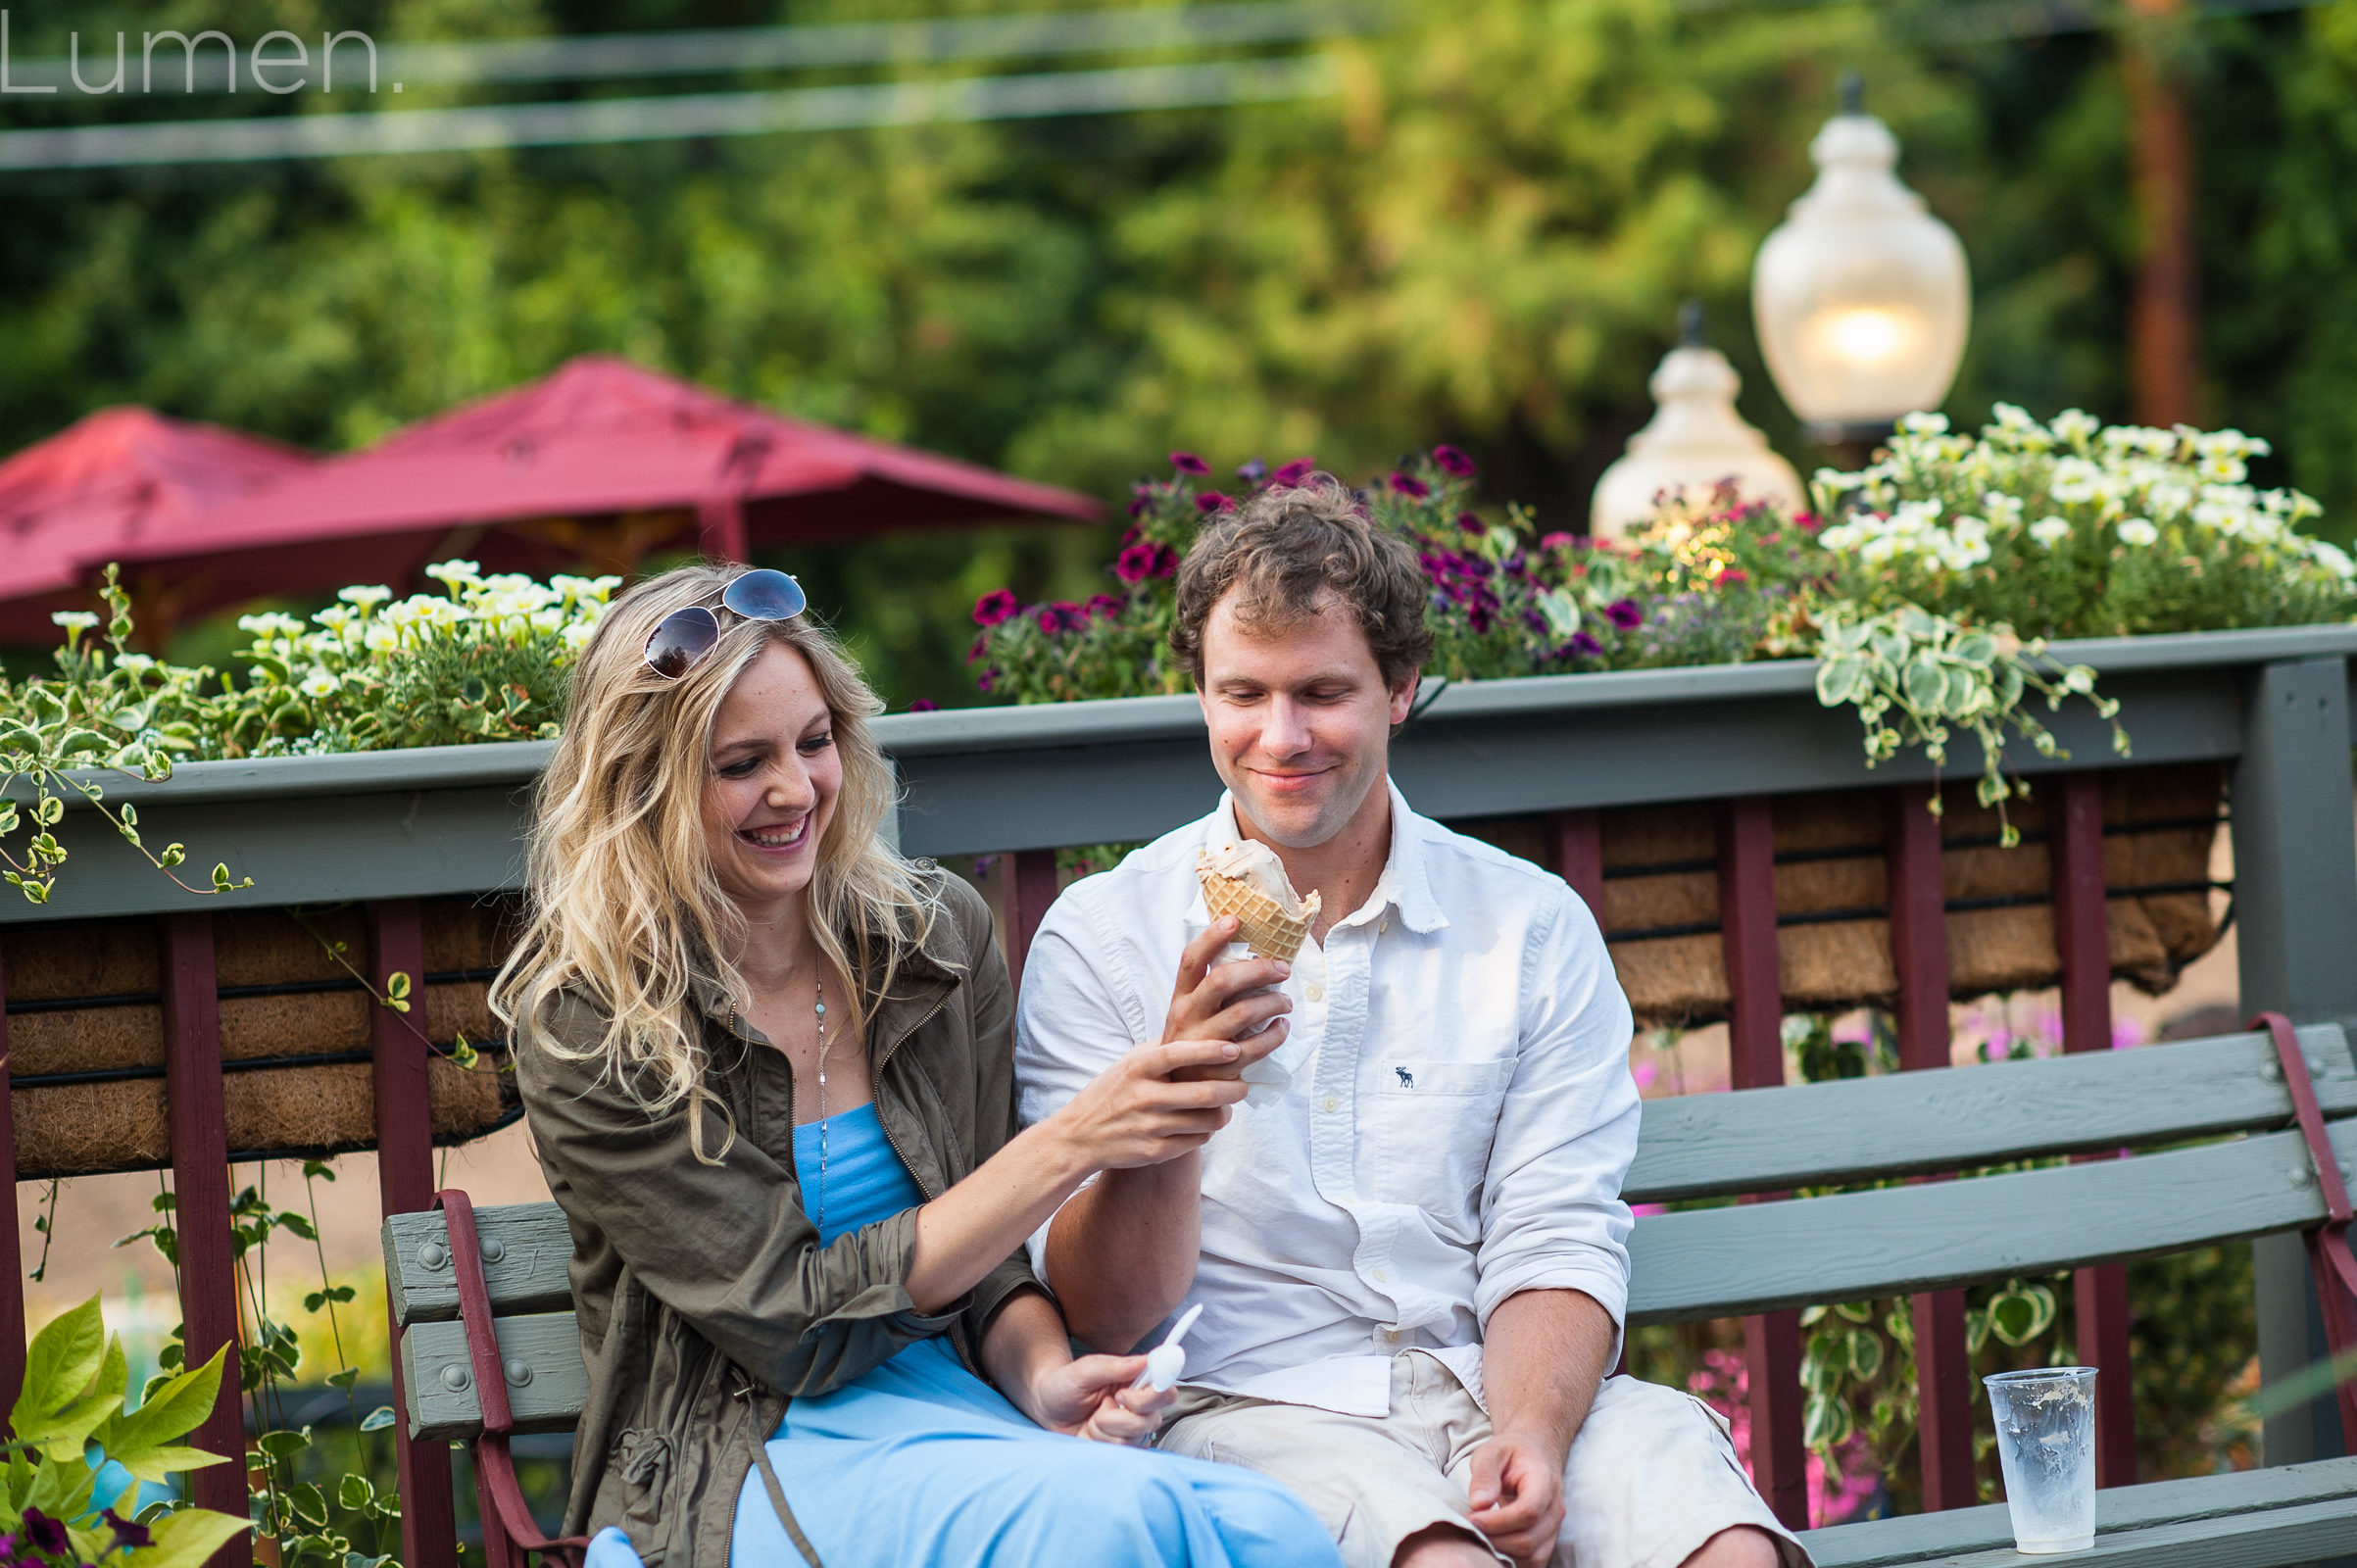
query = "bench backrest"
{"x": 1699, "y": 1263}
{"x": 525, "y": 1248}
{"x": 1893, "y": 1241}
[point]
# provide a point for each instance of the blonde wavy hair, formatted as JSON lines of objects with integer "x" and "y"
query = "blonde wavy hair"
{"x": 622, "y": 904}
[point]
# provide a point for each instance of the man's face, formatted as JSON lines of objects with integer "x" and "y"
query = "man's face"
{"x": 1300, "y": 721}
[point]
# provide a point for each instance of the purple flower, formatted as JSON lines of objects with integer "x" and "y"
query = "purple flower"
{"x": 1583, "y": 646}
{"x": 1453, "y": 462}
{"x": 1554, "y": 541}
{"x": 1624, "y": 613}
{"x": 924, "y": 705}
{"x": 1252, "y": 472}
{"x": 1471, "y": 523}
{"x": 1188, "y": 462}
{"x": 987, "y": 681}
{"x": 128, "y": 1532}
{"x": 1136, "y": 562}
{"x": 1734, "y": 574}
{"x": 1062, "y": 616}
{"x": 1408, "y": 485}
{"x": 1212, "y": 501}
{"x": 44, "y": 1534}
{"x": 1107, "y": 605}
{"x": 995, "y": 606}
{"x": 1294, "y": 472}
{"x": 1137, "y": 508}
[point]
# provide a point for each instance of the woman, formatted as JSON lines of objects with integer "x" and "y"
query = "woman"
{"x": 767, "y": 1065}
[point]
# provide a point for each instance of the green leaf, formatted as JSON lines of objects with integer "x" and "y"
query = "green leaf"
{"x": 308, "y": 1504}
{"x": 1837, "y": 680}
{"x": 160, "y": 1462}
{"x": 1865, "y": 1353}
{"x": 379, "y": 1419}
{"x": 355, "y": 1493}
{"x": 1826, "y": 1423}
{"x": 172, "y": 1410}
{"x": 1925, "y": 684}
{"x": 344, "y": 1378}
{"x": 59, "y": 1366}
{"x": 2021, "y": 1313}
{"x": 186, "y": 1538}
{"x": 283, "y": 1445}
{"x": 1977, "y": 648}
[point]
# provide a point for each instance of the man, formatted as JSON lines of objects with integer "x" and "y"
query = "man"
{"x": 1412, "y": 1261}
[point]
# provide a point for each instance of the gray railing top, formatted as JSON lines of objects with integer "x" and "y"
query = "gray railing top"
{"x": 1129, "y": 719}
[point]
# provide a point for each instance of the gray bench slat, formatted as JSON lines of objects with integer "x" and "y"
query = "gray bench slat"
{"x": 1805, "y": 1135}
{"x": 1923, "y": 1538}
{"x": 551, "y": 1400}
{"x": 1725, "y": 1262}
{"x": 527, "y": 1276}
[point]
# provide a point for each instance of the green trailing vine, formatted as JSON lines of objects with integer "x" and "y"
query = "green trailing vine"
{"x": 1916, "y": 679}
{"x": 107, "y": 709}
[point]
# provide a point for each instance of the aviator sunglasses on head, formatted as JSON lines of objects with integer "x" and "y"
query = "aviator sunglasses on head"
{"x": 684, "y": 636}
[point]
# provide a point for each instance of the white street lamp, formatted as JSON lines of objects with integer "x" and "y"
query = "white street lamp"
{"x": 1695, "y": 442}
{"x": 1860, "y": 297}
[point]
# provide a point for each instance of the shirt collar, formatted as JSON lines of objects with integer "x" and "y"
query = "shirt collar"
{"x": 1403, "y": 883}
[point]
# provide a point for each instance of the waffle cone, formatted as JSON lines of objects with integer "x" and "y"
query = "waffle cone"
{"x": 1267, "y": 928}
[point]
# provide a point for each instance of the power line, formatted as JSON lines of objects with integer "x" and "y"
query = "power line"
{"x": 733, "y": 50}
{"x": 687, "y": 115}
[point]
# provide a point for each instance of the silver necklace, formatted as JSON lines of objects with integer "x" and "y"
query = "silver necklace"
{"x": 819, "y": 1008}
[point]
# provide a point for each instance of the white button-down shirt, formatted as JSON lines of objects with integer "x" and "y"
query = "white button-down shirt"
{"x": 1458, "y": 1121}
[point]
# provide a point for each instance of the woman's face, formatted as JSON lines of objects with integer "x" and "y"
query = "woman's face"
{"x": 773, "y": 780}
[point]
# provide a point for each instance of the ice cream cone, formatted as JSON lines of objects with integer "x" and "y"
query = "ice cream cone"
{"x": 1245, "y": 880}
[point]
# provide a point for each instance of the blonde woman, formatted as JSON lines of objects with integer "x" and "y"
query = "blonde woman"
{"x": 767, "y": 1068}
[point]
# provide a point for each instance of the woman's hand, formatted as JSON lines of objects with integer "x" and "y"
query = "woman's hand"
{"x": 1091, "y": 1398}
{"x": 1138, "y": 1113}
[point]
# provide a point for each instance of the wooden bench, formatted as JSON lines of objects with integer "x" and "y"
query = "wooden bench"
{"x": 2252, "y": 1176}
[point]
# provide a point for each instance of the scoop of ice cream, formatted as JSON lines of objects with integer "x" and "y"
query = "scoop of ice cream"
{"x": 1255, "y": 865}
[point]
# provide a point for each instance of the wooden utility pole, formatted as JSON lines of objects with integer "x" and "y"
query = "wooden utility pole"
{"x": 2164, "y": 324}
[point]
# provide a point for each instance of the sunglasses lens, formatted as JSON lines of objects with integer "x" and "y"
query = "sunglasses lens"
{"x": 683, "y": 637}
{"x": 765, "y": 595}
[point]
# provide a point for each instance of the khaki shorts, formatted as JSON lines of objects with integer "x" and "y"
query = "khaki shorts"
{"x": 1652, "y": 1473}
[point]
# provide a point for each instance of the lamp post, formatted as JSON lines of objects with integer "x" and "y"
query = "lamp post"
{"x": 1861, "y": 298}
{"x": 1695, "y": 441}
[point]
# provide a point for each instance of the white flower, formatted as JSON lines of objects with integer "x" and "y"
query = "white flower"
{"x": 272, "y": 625}
{"x": 2004, "y": 512}
{"x": 2223, "y": 469}
{"x": 321, "y": 683}
{"x": 452, "y": 574}
{"x": 2334, "y": 560}
{"x": 2049, "y": 531}
{"x": 2076, "y": 427}
{"x": 73, "y": 619}
{"x": 1923, "y": 424}
{"x": 2137, "y": 531}
{"x": 365, "y": 598}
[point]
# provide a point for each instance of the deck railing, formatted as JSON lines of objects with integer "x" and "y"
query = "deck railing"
{"x": 388, "y": 829}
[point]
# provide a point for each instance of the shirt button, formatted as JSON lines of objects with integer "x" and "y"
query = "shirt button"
{"x": 1317, "y": 993}
{"x": 1380, "y": 1276}
{"x": 1391, "y": 1335}
{"x": 1333, "y": 1103}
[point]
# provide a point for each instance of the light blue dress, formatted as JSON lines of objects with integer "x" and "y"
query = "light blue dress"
{"x": 920, "y": 1464}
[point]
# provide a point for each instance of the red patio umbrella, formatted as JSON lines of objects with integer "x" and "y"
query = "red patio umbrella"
{"x": 601, "y": 462}
{"x": 113, "y": 480}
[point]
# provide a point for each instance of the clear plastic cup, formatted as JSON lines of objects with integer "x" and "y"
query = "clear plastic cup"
{"x": 2045, "y": 1421}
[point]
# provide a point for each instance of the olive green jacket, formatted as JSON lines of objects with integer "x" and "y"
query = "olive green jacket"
{"x": 705, "y": 1300}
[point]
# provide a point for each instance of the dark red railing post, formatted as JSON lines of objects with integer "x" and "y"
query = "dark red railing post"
{"x": 1919, "y": 954}
{"x": 1030, "y": 887}
{"x": 2074, "y": 828}
{"x": 12, "y": 1258}
{"x": 1755, "y": 1061}
{"x": 405, "y": 1184}
{"x": 1575, "y": 852}
{"x": 200, "y": 1180}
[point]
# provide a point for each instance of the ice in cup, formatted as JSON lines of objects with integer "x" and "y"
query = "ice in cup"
{"x": 2046, "y": 1420}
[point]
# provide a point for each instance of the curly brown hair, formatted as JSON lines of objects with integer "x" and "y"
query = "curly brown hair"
{"x": 1283, "y": 552}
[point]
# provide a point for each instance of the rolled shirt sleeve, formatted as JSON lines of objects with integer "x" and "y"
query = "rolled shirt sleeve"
{"x": 1552, "y": 1212}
